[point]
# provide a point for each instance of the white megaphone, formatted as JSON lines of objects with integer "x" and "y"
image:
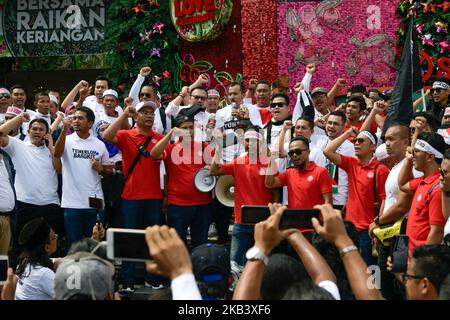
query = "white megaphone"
{"x": 225, "y": 190}
{"x": 204, "y": 181}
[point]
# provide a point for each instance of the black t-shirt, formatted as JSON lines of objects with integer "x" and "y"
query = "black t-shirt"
{"x": 437, "y": 110}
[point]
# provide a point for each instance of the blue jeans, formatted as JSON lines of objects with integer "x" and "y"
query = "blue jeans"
{"x": 365, "y": 247}
{"x": 79, "y": 223}
{"x": 242, "y": 239}
{"x": 139, "y": 214}
{"x": 198, "y": 218}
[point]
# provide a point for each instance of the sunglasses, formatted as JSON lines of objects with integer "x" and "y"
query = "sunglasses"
{"x": 294, "y": 152}
{"x": 4, "y": 95}
{"x": 437, "y": 90}
{"x": 278, "y": 104}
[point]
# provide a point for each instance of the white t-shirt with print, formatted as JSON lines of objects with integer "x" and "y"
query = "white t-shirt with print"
{"x": 38, "y": 283}
{"x": 36, "y": 179}
{"x": 80, "y": 180}
{"x": 225, "y": 120}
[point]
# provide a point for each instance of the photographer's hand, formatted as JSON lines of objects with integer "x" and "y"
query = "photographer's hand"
{"x": 170, "y": 255}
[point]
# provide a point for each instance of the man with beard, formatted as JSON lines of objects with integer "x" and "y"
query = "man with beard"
{"x": 440, "y": 93}
{"x": 365, "y": 175}
{"x": 334, "y": 128}
{"x": 197, "y": 97}
{"x": 307, "y": 184}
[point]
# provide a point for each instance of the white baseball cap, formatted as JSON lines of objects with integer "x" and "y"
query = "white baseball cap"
{"x": 146, "y": 104}
{"x": 110, "y": 92}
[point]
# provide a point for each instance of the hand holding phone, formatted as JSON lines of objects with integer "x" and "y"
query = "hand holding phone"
{"x": 127, "y": 244}
{"x": 3, "y": 269}
{"x": 292, "y": 218}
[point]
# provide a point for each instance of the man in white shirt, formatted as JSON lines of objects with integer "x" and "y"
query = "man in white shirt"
{"x": 102, "y": 83}
{"x": 334, "y": 127}
{"x": 141, "y": 92}
{"x": 10, "y": 114}
{"x": 36, "y": 180}
{"x": 84, "y": 158}
{"x": 7, "y": 200}
{"x": 18, "y": 96}
{"x": 397, "y": 203}
{"x": 5, "y": 102}
{"x": 198, "y": 97}
{"x": 228, "y": 120}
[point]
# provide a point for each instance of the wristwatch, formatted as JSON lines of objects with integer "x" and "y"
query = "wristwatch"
{"x": 255, "y": 254}
{"x": 348, "y": 249}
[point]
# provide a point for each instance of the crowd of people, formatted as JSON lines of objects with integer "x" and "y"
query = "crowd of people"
{"x": 71, "y": 168}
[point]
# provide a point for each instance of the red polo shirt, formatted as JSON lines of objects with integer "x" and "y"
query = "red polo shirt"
{"x": 248, "y": 184}
{"x": 182, "y": 165}
{"x": 361, "y": 197}
{"x": 306, "y": 187}
{"x": 144, "y": 182}
{"x": 426, "y": 209}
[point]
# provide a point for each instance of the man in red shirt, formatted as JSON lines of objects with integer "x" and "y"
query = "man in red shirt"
{"x": 248, "y": 171}
{"x": 187, "y": 207}
{"x": 362, "y": 205}
{"x": 307, "y": 184}
{"x": 426, "y": 220}
{"x": 355, "y": 107}
{"x": 142, "y": 196}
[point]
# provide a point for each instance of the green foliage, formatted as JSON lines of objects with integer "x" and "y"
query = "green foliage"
{"x": 425, "y": 23}
{"x": 128, "y": 54}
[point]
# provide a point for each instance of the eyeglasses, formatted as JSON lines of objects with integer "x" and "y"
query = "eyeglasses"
{"x": 146, "y": 95}
{"x": 4, "y": 95}
{"x": 277, "y": 104}
{"x": 296, "y": 152}
{"x": 406, "y": 277}
{"x": 437, "y": 90}
{"x": 199, "y": 98}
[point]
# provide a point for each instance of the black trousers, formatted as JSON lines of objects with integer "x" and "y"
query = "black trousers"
{"x": 52, "y": 213}
{"x": 222, "y": 217}
{"x": 112, "y": 190}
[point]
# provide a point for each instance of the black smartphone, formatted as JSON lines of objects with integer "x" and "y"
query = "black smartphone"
{"x": 95, "y": 203}
{"x": 127, "y": 244}
{"x": 399, "y": 253}
{"x": 292, "y": 218}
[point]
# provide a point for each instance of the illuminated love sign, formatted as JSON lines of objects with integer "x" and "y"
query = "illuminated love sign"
{"x": 200, "y": 20}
